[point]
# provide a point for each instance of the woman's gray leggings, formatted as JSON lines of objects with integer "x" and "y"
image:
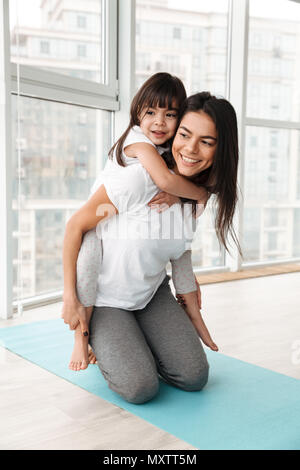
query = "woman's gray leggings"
{"x": 133, "y": 347}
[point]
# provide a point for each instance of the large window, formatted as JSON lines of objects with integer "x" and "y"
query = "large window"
{"x": 272, "y": 157}
{"x": 57, "y": 155}
{"x": 270, "y": 210}
{"x": 64, "y": 90}
{"x": 273, "y": 60}
{"x": 58, "y": 36}
{"x": 188, "y": 40}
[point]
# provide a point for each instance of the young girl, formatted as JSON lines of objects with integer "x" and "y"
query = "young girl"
{"x": 153, "y": 123}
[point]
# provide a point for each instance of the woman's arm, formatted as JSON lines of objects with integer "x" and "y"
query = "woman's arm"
{"x": 191, "y": 307}
{"x": 95, "y": 210}
{"x": 189, "y": 295}
{"x": 182, "y": 273}
{"x": 161, "y": 175}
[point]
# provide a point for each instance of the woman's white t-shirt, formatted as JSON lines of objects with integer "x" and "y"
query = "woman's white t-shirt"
{"x": 138, "y": 242}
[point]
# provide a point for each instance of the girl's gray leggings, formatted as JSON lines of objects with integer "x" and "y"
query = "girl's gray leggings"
{"x": 134, "y": 348}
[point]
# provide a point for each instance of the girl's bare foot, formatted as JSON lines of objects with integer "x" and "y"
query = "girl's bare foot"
{"x": 91, "y": 356}
{"x": 80, "y": 358}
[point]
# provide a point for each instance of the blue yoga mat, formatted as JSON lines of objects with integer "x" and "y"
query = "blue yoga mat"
{"x": 242, "y": 407}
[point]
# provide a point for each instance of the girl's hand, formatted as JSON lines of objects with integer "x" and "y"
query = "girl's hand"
{"x": 162, "y": 201}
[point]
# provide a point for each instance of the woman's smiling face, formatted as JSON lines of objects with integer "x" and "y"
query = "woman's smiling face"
{"x": 195, "y": 144}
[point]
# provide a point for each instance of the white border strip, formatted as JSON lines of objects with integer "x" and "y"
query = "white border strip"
{"x": 6, "y": 176}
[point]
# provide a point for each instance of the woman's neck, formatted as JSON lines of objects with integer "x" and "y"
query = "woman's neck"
{"x": 175, "y": 169}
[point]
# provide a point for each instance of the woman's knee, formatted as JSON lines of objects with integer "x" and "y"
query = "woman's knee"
{"x": 138, "y": 392}
{"x": 196, "y": 378}
{"x": 192, "y": 377}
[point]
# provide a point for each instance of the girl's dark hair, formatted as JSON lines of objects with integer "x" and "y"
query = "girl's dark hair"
{"x": 221, "y": 178}
{"x": 161, "y": 89}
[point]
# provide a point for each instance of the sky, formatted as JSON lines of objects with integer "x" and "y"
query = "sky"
{"x": 28, "y": 12}
{"x": 284, "y": 9}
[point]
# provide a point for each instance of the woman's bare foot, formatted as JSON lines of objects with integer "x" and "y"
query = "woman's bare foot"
{"x": 80, "y": 358}
{"x": 91, "y": 355}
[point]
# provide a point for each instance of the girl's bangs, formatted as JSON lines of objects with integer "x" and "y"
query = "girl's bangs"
{"x": 161, "y": 98}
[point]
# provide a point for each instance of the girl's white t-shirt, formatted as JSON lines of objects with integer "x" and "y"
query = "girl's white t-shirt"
{"x": 138, "y": 242}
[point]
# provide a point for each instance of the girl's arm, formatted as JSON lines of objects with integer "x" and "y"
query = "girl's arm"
{"x": 96, "y": 209}
{"x": 162, "y": 177}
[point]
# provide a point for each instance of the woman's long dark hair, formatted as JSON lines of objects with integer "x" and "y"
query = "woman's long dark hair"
{"x": 161, "y": 90}
{"x": 221, "y": 178}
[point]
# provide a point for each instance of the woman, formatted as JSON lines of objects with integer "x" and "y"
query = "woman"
{"x": 137, "y": 328}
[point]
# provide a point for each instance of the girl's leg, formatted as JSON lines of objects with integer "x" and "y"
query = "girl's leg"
{"x": 123, "y": 355}
{"x": 80, "y": 354}
{"x": 174, "y": 342}
{"x": 88, "y": 267}
{"x": 87, "y": 270}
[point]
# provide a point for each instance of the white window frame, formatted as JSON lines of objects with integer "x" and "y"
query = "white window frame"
{"x": 44, "y": 84}
{"x": 236, "y": 93}
{"x": 6, "y": 268}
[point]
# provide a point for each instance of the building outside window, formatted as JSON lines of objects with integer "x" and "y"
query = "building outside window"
{"x": 81, "y": 22}
{"x": 60, "y": 147}
{"x": 44, "y": 47}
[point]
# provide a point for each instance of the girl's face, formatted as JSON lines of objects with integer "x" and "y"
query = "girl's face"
{"x": 195, "y": 144}
{"x": 159, "y": 124}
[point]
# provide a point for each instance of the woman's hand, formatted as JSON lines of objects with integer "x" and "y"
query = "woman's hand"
{"x": 162, "y": 201}
{"x": 203, "y": 332}
{"x": 73, "y": 313}
{"x": 190, "y": 304}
